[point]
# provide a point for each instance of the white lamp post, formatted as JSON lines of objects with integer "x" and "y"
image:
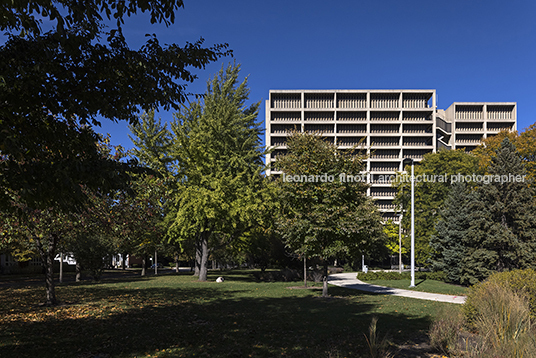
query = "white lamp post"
{"x": 412, "y": 222}
{"x": 400, "y": 216}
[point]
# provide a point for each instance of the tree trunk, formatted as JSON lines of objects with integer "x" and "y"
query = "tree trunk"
{"x": 78, "y": 271}
{"x": 47, "y": 258}
{"x": 304, "y": 271}
{"x": 143, "y": 264}
{"x": 176, "y": 262}
{"x": 155, "y": 263}
{"x": 197, "y": 262}
{"x": 325, "y": 280}
{"x": 124, "y": 261}
{"x": 202, "y": 255}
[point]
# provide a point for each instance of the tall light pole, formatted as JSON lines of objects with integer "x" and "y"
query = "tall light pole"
{"x": 400, "y": 216}
{"x": 412, "y": 284}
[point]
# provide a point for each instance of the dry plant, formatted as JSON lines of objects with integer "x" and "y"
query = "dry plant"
{"x": 445, "y": 330}
{"x": 379, "y": 348}
{"x": 503, "y": 323}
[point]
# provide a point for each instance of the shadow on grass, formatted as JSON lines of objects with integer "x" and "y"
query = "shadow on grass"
{"x": 418, "y": 283}
{"x": 203, "y": 319}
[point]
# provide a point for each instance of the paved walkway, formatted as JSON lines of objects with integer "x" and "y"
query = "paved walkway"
{"x": 349, "y": 280}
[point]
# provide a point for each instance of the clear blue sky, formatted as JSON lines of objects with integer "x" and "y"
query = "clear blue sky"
{"x": 476, "y": 50}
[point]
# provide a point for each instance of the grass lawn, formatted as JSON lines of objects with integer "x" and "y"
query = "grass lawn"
{"x": 423, "y": 286}
{"x": 176, "y": 316}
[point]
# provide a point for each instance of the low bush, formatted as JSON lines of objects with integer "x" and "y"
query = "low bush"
{"x": 288, "y": 275}
{"x": 435, "y": 275}
{"x": 500, "y": 315}
{"x": 383, "y": 275}
{"x": 522, "y": 282}
{"x": 333, "y": 269}
{"x": 285, "y": 275}
{"x": 393, "y": 275}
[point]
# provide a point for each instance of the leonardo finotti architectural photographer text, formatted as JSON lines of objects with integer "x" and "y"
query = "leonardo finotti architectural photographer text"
{"x": 405, "y": 178}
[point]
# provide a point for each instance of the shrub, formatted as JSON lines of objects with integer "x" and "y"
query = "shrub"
{"x": 333, "y": 269}
{"x": 314, "y": 276}
{"x": 348, "y": 268}
{"x": 436, "y": 275}
{"x": 520, "y": 281}
{"x": 284, "y": 275}
{"x": 382, "y": 275}
{"x": 501, "y": 317}
{"x": 393, "y": 275}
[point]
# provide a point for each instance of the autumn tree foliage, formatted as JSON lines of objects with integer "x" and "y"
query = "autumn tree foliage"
{"x": 36, "y": 231}
{"x": 26, "y": 230}
{"x": 525, "y": 143}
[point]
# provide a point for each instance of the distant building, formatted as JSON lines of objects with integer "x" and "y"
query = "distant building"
{"x": 391, "y": 125}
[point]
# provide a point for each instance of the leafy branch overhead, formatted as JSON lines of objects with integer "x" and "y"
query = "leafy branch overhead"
{"x": 28, "y": 15}
{"x": 62, "y": 72}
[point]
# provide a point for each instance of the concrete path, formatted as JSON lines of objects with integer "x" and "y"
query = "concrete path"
{"x": 349, "y": 280}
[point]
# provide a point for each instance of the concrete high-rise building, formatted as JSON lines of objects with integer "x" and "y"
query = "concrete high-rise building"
{"x": 391, "y": 125}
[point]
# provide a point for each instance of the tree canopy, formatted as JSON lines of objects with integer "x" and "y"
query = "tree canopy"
{"x": 490, "y": 226}
{"x": 525, "y": 143}
{"x": 323, "y": 214}
{"x": 61, "y": 71}
{"x": 431, "y": 190}
{"x": 214, "y": 154}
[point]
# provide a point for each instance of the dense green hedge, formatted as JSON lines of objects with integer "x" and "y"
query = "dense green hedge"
{"x": 390, "y": 275}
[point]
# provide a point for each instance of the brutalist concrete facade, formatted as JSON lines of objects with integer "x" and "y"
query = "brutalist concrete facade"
{"x": 391, "y": 125}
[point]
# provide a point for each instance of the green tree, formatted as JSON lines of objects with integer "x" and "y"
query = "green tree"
{"x": 431, "y": 190}
{"x": 152, "y": 144}
{"x": 153, "y": 149}
{"x": 53, "y": 82}
{"x": 502, "y": 231}
{"x": 138, "y": 220}
{"x": 322, "y": 216}
{"x": 91, "y": 239}
{"x": 34, "y": 231}
{"x": 447, "y": 244}
{"x": 220, "y": 192}
{"x": 29, "y": 230}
